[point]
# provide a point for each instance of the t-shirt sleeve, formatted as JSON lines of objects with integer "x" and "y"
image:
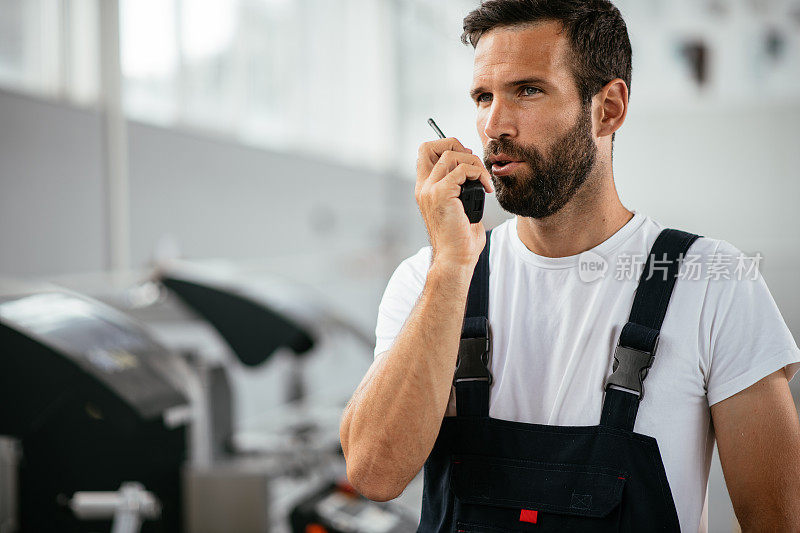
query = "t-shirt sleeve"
{"x": 400, "y": 297}
{"x": 748, "y": 338}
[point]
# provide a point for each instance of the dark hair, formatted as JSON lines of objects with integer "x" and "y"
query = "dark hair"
{"x": 601, "y": 50}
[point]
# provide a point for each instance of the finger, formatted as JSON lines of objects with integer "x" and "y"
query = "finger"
{"x": 485, "y": 178}
{"x": 452, "y": 182}
{"x": 430, "y": 152}
{"x": 449, "y": 161}
{"x": 449, "y": 187}
{"x": 486, "y": 181}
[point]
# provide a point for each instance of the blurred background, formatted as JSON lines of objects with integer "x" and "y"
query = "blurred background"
{"x": 163, "y": 159}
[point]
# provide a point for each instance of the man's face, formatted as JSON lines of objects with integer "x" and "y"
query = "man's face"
{"x": 530, "y": 112}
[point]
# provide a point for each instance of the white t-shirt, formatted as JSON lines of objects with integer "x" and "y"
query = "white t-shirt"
{"x": 554, "y": 329}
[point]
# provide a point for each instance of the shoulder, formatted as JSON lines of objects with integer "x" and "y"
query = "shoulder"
{"x": 407, "y": 281}
{"x": 399, "y": 297}
{"x": 413, "y": 269}
{"x": 703, "y": 246}
{"x": 720, "y": 260}
{"x": 717, "y": 268}
{"x": 713, "y": 272}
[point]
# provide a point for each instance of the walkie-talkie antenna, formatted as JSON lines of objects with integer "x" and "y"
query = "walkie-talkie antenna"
{"x": 436, "y": 128}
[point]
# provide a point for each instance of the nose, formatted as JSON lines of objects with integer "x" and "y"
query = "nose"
{"x": 500, "y": 120}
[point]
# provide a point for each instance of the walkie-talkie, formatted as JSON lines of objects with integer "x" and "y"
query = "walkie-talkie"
{"x": 472, "y": 195}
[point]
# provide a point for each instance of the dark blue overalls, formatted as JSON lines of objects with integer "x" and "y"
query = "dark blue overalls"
{"x": 488, "y": 475}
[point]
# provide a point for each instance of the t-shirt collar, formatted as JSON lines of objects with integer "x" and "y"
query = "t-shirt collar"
{"x": 604, "y": 248}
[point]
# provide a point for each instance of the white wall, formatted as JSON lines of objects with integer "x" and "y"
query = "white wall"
{"x": 52, "y": 216}
{"x": 214, "y": 198}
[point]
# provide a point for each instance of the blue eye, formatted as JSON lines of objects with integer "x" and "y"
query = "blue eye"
{"x": 482, "y": 97}
{"x": 530, "y": 91}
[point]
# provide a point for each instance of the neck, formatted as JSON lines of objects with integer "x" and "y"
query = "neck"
{"x": 593, "y": 215}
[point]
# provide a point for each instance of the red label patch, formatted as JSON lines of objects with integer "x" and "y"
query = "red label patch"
{"x": 526, "y": 515}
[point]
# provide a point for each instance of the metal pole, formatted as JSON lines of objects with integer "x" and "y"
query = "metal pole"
{"x": 116, "y": 139}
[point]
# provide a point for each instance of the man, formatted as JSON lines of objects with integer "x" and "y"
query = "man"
{"x": 551, "y": 85}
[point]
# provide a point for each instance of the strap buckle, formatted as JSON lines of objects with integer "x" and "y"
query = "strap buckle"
{"x": 630, "y": 368}
{"x": 473, "y": 359}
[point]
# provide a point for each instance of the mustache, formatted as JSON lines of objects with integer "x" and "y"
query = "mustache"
{"x": 505, "y": 146}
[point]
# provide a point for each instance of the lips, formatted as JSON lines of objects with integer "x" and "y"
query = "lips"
{"x": 501, "y": 161}
{"x": 502, "y": 168}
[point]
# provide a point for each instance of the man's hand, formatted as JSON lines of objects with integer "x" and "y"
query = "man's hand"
{"x": 758, "y": 435}
{"x": 442, "y": 166}
{"x": 390, "y": 425}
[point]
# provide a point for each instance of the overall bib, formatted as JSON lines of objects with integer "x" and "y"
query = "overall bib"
{"x": 486, "y": 475}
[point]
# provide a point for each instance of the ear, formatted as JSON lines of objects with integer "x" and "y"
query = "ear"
{"x": 611, "y": 105}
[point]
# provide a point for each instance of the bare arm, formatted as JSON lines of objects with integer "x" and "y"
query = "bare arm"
{"x": 758, "y": 435}
{"x": 390, "y": 425}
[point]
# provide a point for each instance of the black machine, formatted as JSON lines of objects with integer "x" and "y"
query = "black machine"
{"x": 254, "y": 330}
{"x": 98, "y": 408}
{"x": 90, "y": 396}
{"x": 338, "y": 508}
{"x": 254, "y": 326}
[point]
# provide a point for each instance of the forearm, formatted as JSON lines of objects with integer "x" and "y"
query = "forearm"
{"x": 391, "y": 423}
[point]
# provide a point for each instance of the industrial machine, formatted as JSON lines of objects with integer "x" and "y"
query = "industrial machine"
{"x": 93, "y": 401}
{"x": 255, "y": 323}
{"x": 126, "y": 421}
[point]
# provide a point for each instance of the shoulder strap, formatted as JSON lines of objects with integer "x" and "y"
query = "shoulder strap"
{"x": 472, "y": 378}
{"x": 638, "y": 339}
{"x": 478, "y": 296}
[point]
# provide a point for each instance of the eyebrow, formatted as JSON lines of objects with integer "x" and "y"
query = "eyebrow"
{"x": 477, "y": 91}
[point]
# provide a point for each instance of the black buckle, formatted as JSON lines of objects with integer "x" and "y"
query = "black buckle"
{"x": 630, "y": 368}
{"x": 473, "y": 360}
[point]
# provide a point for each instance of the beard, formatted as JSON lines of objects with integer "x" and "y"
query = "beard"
{"x": 550, "y": 182}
